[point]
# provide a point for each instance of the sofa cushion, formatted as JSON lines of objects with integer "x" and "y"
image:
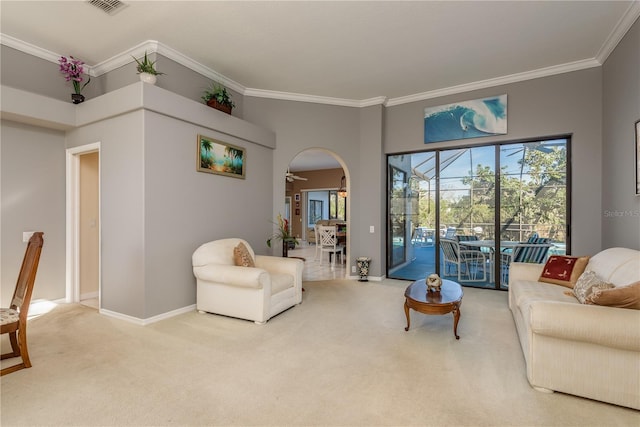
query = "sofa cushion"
{"x": 242, "y": 257}
{"x": 621, "y": 296}
{"x": 563, "y": 270}
{"x": 587, "y": 283}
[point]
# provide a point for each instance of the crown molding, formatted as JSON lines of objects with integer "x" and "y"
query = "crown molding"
{"x": 621, "y": 28}
{"x": 153, "y": 46}
{"x": 498, "y": 81}
{"x": 29, "y": 48}
{"x": 289, "y": 96}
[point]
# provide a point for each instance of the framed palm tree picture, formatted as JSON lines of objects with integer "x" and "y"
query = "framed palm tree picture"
{"x": 220, "y": 158}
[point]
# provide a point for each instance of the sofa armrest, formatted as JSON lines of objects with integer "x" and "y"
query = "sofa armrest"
{"x": 525, "y": 271}
{"x": 232, "y": 275}
{"x": 606, "y": 326}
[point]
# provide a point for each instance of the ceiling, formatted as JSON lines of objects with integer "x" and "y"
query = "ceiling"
{"x": 397, "y": 51}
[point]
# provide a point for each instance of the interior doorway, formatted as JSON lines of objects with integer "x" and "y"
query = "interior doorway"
{"x": 83, "y": 225}
{"x": 318, "y": 183}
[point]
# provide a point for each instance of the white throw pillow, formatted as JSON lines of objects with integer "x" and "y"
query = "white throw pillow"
{"x": 585, "y": 285}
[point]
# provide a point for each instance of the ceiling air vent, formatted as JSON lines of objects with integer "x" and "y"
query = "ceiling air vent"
{"x": 108, "y": 6}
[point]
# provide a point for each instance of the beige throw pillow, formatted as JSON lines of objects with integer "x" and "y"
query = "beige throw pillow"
{"x": 621, "y": 296}
{"x": 587, "y": 283}
{"x": 242, "y": 257}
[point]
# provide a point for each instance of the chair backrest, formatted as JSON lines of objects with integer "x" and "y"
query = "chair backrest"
{"x": 328, "y": 236}
{"x": 465, "y": 238}
{"x": 27, "y": 277}
{"x": 450, "y": 249}
{"x": 534, "y": 253}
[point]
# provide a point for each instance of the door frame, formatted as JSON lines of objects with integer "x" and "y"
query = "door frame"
{"x": 73, "y": 222}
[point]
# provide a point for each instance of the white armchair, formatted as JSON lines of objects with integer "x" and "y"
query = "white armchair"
{"x": 252, "y": 293}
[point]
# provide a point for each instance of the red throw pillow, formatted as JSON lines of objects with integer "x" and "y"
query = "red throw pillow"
{"x": 563, "y": 270}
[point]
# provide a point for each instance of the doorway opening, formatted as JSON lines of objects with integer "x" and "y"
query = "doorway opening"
{"x": 317, "y": 181}
{"x": 83, "y": 225}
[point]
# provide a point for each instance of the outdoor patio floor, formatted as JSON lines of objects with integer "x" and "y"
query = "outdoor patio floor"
{"x": 423, "y": 264}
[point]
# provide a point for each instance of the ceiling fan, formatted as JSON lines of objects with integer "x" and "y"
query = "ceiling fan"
{"x": 290, "y": 177}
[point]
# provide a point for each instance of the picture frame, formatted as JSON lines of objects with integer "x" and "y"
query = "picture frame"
{"x": 466, "y": 119}
{"x": 637, "y": 126}
{"x": 220, "y": 158}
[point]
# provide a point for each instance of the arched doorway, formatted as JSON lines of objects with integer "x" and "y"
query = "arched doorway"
{"x": 317, "y": 186}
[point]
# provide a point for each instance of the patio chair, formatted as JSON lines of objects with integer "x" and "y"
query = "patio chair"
{"x": 468, "y": 263}
{"x": 531, "y": 253}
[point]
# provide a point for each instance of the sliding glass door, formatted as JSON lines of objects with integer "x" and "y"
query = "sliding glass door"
{"x": 466, "y": 213}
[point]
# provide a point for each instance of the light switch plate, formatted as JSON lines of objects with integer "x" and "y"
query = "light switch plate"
{"x": 372, "y": 229}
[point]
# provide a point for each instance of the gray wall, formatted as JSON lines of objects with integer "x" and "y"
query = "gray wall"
{"x": 355, "y": 137}
{"x": 620, "y": 206}
{"x": 185, "y": 208}
{"x": 568, "y": 103}
{"x": 32, "y": 176}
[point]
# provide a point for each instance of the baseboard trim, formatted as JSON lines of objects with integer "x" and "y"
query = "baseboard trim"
{"x": 150, "y": 320}
{"x": 371, "y": 278}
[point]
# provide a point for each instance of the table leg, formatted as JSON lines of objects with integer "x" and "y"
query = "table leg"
{"x": 456, "y": 318}
{"x": 406, "y": 312}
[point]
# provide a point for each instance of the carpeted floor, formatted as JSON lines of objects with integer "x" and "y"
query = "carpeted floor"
{"x": 341, "y": 358}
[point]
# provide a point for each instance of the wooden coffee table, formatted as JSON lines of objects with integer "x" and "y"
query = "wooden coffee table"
{"x": 446, "y": 301}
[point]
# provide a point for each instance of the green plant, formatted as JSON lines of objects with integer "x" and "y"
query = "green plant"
{"x": 146, "y": 66}
{"x": 219, "y": 93}
{"x": 283, "y": 232}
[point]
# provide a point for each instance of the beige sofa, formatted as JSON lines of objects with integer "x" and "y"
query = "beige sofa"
{"x": 587, "y": 350}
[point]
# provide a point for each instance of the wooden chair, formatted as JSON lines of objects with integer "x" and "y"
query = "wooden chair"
{"x": 14, "y": 319}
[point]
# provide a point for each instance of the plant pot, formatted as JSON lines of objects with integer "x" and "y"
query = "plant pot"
{"x": 222, "y": 107}
{"x": 148, "y": 78}
{"x": 77, "y": 98}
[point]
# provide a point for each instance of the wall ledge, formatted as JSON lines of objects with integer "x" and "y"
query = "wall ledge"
{"x": 34, "y": 109}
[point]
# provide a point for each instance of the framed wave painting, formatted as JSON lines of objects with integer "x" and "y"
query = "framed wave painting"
{"x": 466, "y": 119}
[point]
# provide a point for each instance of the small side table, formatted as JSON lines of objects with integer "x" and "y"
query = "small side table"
{"x": 447, "y": 300}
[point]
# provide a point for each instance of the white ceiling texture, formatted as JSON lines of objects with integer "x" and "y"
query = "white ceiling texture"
{"x": 353, "y": 53}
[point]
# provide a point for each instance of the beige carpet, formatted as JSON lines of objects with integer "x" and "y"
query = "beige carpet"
{"x": 341, "y": 358}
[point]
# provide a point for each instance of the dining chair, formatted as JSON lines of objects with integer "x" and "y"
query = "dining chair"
{"x": 329, "y": 243}
{"x": 13, "y": 320}
{"x": 468, "y": 263}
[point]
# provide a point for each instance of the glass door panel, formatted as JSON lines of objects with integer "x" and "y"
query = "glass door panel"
{"x": 467, "y": 215}
{"x": 533, "y": 202}
{"x": 399, "y": 211}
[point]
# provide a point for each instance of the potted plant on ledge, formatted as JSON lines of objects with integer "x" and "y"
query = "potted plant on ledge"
{"x": 283, "y": 234}
{"x": 219, "y": 98}
{"x": 147, "y": 69}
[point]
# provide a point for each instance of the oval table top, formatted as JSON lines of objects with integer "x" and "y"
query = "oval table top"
{"x": 450, "y": 292}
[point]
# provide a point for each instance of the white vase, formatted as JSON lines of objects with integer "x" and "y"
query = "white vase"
{"x": 148, "y": 78}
